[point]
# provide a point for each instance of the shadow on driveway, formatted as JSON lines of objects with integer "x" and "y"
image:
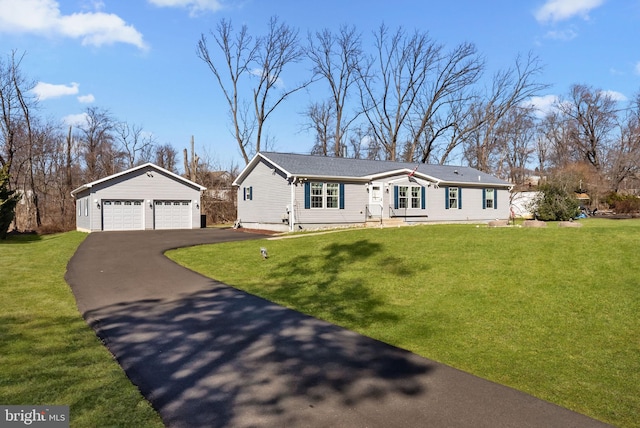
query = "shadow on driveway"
{"x": 220, "y": 357}
{"x": 207, "y": 355}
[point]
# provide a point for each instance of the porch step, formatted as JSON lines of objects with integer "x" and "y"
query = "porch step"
{"x": 387, "y": 222}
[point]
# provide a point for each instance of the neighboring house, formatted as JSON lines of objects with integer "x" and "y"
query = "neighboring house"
{"x": 144, "y": 197}
{"x": 279, "y": 191}
{"x": 521, "y": 203}
{"x": 219, "y": 185}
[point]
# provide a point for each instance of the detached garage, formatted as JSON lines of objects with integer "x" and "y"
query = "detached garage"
{"x": 142, "y": 198}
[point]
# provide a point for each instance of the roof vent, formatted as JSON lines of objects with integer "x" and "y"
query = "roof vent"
{"x": 455, "y": 171}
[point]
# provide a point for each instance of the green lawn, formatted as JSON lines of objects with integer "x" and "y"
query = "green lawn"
{"x": 48, "y": 355}
{"x": 554, "y": 312}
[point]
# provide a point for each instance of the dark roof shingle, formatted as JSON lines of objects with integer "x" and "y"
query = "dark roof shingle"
{"x": 323, "y": 166}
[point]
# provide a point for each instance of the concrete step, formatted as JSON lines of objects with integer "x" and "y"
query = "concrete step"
{"x": 386, "y": 222}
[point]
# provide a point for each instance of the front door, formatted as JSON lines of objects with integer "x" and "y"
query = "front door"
{"x": 375, "y": 200}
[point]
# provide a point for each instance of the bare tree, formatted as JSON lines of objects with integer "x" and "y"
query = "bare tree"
{"x": 264, "y": 59}
{"x": 623, "y": 159}
{"x": 135, "y": 143}
{"x": 239, "y": 52}
{"x": 335, "y": 59}
{"x": 321, "y": 121}
{"x": 27, "y": 103}
{"x": 447, "y": 92}
{"x": 11, "y": 120}
{"x": 592, "y": 116}
{"x": 96, "y": 136}
{"x": 391, "y": 82}
{"x": 510, "y": 88}
{"x": 165, "y": 156}
{"x": 516, "y": 143}
{"x": 558, "y": 134}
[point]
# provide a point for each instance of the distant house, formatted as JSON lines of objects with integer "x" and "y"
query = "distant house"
{"x": 141, "y": 198}
{"x": 521, "y": 203}
{"x": 288, "y": 192}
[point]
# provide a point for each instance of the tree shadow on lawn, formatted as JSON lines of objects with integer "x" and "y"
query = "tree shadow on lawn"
{"x": 221, "y": 357}
{"x": 348, "y": 299}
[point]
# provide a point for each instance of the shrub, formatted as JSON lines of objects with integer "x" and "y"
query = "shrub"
{"x": 554, "y": 203}
{"x": 623, "y": 204}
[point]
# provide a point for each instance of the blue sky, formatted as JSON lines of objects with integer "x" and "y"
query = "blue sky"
{"x": 137, "y": 58}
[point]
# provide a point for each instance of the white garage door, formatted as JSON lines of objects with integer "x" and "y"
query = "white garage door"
{"x": 122, "y": 215}
{"x": 172, "y": 215}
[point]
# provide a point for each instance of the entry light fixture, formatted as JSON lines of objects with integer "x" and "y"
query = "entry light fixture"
{"x": 95, "y": 201}
{"x": 195, "y": 202}
{"x": 149, "y": 202}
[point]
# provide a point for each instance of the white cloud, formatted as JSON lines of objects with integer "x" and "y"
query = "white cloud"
{"x": 614, "y": 95}
{"x": 194, "y": 6}
{"x": 86, "y": 99}
{"x": 258, "y": 72}
{"x": 638, "y": 67}
{"x": 544, "y": 104}
{"x": 75, "y": 119}
{"x": 563, "y": 35}
{"x": 44, "y": 17}
{"x": 48, "y": 90}
{"x": 560, "y": 10}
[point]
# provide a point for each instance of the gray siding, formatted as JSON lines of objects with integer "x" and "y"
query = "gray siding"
{"x": 471, "y": 205}
{"x": 270, "y": 196}
{"x": 140, "y": 186}
{"x": 83, "y": 212}
{"x": 355, "y": 204}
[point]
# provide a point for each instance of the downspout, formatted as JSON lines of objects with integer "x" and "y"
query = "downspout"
{"x": 292, "y": 209}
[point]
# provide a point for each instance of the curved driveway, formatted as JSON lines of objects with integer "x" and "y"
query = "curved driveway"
{"x": 207, "y": 355}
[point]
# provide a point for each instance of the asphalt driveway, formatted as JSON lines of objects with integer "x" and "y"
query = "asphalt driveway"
{"x": 207, "y": 355}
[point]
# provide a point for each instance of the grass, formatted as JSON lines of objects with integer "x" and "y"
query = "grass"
{"x": 48, "y": 355}
{"x": 553, "y": 312}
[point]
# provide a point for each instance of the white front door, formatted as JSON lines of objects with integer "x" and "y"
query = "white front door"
{"x": 375, "y": 200}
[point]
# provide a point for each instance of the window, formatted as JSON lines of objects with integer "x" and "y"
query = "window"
{"x": 316, "y": 195}
{"x": 489, "y": 198}
{"x": 453, "y": 198}
{"x": 86, "y": 207}
{"x": 247, "y": 193}
{"x": 409, "y": 197}
{"x": 333, "y": 194}
{"x": 415, "y": 197}
{"x": 402, "y": 196}
{"x": 323, "y": 195}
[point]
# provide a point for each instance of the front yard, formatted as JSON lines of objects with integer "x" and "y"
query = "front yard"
{"x": 552, "y": 312}
{"x": 48, "y": 355}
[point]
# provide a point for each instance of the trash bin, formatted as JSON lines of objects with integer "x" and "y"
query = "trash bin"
{"x": 203, "y": 221}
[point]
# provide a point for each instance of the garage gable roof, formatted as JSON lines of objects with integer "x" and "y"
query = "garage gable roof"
{"x": 310, "y": 166}
{"x": 134, "y": 169}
